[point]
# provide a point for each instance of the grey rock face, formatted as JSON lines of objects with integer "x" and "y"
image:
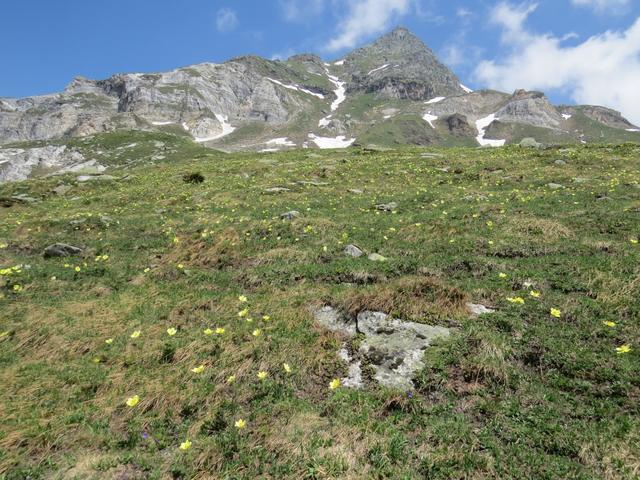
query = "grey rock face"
{"x": 531, "y": 108}
{"x": 478, "y": 309}
{"x": 19, "y": 163}
{"x": 393, "y": 348}
{"x": 61, "y": 250}
{"x": 290, "y": 215}
{"x": 530, "y": 142}
{"x": 387, "y": 207}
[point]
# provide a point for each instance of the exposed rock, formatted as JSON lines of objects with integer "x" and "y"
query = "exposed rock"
{"x": 62, "y": 189}
{"x": 387, "y": 207}
{"x": 478, "y": 309}
{"x": 554, "y": 186}
{"x": 61, "y": 250}
{"x": 290, "y": 215}
{"x": 353, "y": 251}
{"x": 560, "y": 163}
{"x": 355, "y": 191}
{"x": 530, "y": 142}
{"x": 18, "y": 164}
{"x": 276, "y": 190}
{"x": 334, "y": 320}
{"x": 95, "y": 178}
{"x": 376, "y": 257}
{"x": 459, "y": 126}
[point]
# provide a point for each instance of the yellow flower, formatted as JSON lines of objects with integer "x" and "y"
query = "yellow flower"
{"x": 609, "y": 323}
{"x": 147, "y": 270}
{"x": 502, "y": 275}
{"x": 262, "y": 375}
{"x": 17, "y": 288}
{"x": 199, "y": 369}
{"x": 286, "y": 367}
{"x": 208, "y": 331}
{"x": 256, "y": 332}
{"x": 231, "y": 379}
{"x": 243, "y": 313}
{"x": 109, "y": 341}
{"x": 266, "y": 318}
{"x": 186, "y": 445}
{"x": 555, "y": 312}
{"x": 180, "y": 266}
{"x": 516, "y": 300}
{"x": 335, "y": 384}
{"x": 240, "y": 424}
{"x": 77, "y": 269}
{"x": 105, "y": 257}
{"x": 219, "y": 331}
{"x": 133, "y": 401}
{"x": 634, "y": 241}
{"x": 135, "y": 334}
{"x": 623, "y": 349}
{"x": 242, "y": 299}
{"x": 171, "y": 331}
{"x": 534, "y": 294}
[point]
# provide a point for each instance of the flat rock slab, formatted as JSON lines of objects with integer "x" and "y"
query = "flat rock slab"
{"x": 61, "y": 250}
{"x": 387, "y": 207}
{"x": 478, "y": 309}
{"x": 393, "y": 347}
{"x": 276, "y": 190}
{"x": 353, "y": 251}
{"x": 290, "y": 215}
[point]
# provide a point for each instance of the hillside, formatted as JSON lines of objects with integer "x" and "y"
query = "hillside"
{"x": 198, "y": 331}
{"x": 390, "y": 93}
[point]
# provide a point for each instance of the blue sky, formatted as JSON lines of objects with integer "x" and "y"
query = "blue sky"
{"x": 572, "y": 49}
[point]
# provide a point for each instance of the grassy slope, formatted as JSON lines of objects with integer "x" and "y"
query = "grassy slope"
{"x": 517, "y": 394}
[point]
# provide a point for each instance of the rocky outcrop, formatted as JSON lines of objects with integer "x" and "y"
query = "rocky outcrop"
{"x": 20, "y": 163}
{"x": 532, "y": 108}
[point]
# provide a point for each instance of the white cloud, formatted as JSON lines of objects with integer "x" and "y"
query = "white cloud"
{"x": 612, "y": 6}
{"x": 602, "y": 70}
{"x": 364, "y": 18}
{"x": 301, "y": 10}
{"x": 226, "y": 20}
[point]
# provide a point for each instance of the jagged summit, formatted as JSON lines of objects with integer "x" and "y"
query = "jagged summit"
{"x": 392, "y": 91}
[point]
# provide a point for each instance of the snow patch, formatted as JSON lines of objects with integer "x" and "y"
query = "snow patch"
{"x": 270, "y": 150}
{"x": 482, "y": 125}
{"x": 378, "y": 69}
{"x": 162, "y": 123}
{"x": 326, "y": 142}
{"x": 284, "y": 141}
{"x": 633, "y": 130}
{"x": 430, "y": 118}
{"x": 295, "y": 88}
{"x": 338, "y": 63}
{"x": 185, "y": 126}
{"x": 340, "y": 93}
{"x": 566, "y": 116}
{"x": 435, "y": 100}
{"x": 466, "y": 89}
{"x": 226, "y": 129}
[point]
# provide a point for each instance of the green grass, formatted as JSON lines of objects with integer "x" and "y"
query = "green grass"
{"x": 516, "y": 394}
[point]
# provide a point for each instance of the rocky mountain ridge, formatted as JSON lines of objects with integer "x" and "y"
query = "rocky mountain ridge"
{"x": 393, "y": 91}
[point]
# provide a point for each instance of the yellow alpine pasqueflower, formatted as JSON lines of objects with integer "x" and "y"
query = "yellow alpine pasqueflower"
{"x": 186, "y": 445}
{"x": 231, "y": 379}
{"x": 109, "y": 341}
{"x": 219, "y": 331}
{"x": 262, "y": 375}
{"x": 171, "y": 331}
{"x": 623, "y": 349}
{"x": 534, "y": 294}
{"x": 555, "y": 313}
{"x": 198, "y": 369}
{"x": 609, "y": 323}
{"x": 147, "y": 270}
{"x": 243, "y": 313}
{"x": 286, "y": 367}
{"x": 135, "y": 334}
{"x": 240, "y": 424}
{"x": 266, "y": 318}
{"x": 335, "y": 384}
{"x": 516, "y": 300}
{"x": 77, "y": 269}
{"x": 242, "y": 299}
{"x": 502, "y": 275}
{"x": 208, "y": 331}
{"x": 634, "y": 241}
{"x": 133, "y": 401}
{"x": 256, "y": 332}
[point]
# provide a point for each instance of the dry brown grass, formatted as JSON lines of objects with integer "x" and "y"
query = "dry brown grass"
{"x": 542, "y": 229}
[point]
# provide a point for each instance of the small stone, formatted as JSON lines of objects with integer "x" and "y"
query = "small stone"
{"x": 560, "y": 163}
{"x": 530, "y": 142}
{"x": 554, "y": 186}
{"x": 276, "y": 190}
{"x": 387, "y": 207}
{"x": 376, "y": 257}
{"x": 290, "y": 215}
{"x": 62, "y": 189}
{"x": 355, "y": 191}
{"x": 353, "y": 251}
{"x": 478, "y": 309}
{"x": 61, "y": 250}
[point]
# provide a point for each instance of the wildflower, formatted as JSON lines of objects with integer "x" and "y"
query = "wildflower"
{"x": 17, "y": 288}
{"x": 240, "y": 424}
{"x": 3, "y": 246}
{"x": 171, "y": 331}
{"x": 180, "y": 266}
{"x": 609, "y": 323}
{"x": 534, "y": 294}
{"x": 243, "y": 313}
{"x": 262, "y": 375}
{"x": 623, "y": 349}
{"x": 516, "y": 300}
{"x": 634, "y": 241}
{"x": 133, "y": 401}
{"x": 231, "y": 379}
{"x": 147, "y": 270}
{"x": 502, "y": 275}
{"x": 335, "y": 384}
{"x": 555, "y": 312}
{"x": 219, "y": 331}
{"x": 199, "y": 369}
{"x": 242, "y": 299}
{"x": 266, "y": 318}
{"x": 256, "y": 332}
{"x": 186, "y": 445}
{"x": 77, "y": 269}
{"x": 109, "y": 341}
{"x": 208, "y": 331}
{"x": 286, "y": 367}
{"x": 135, "y": 334}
